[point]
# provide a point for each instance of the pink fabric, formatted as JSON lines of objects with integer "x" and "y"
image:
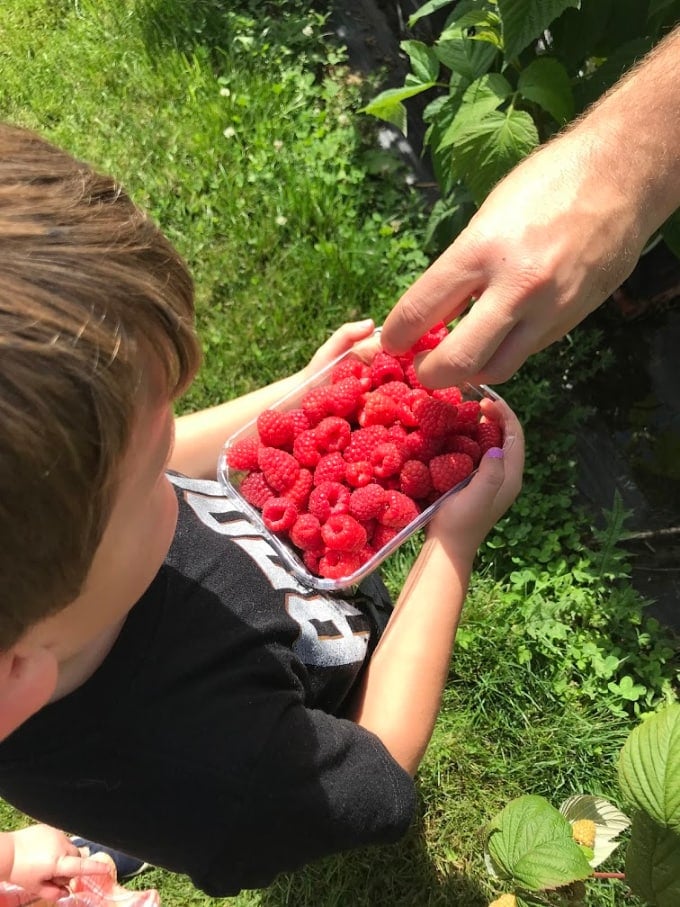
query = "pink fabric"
{"x": 88, "y": 891}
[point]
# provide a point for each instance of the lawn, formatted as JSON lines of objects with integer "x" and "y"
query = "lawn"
{"x": 236, "y": 125}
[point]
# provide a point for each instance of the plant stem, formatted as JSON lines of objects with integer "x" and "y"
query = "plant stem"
{"x": 609, "y": 875}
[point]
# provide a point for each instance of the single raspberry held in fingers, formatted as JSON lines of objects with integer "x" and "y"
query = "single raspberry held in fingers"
{"x": 328, "y": 498}
{"x": 279, "y": 514}
{"x": 306, "y": 533}
{"x": 276, "y": 428}
{"x": 255, "y": 490}
{"x": 431, "y": 338}
{"x": 399, "y": 510}
{"x": 447, "y": 470}
{"x": 280, "y": 468}
{"x": 342, "y": 532}
{"x": 368, "y": 502}
{"x": 414, "y": 479}
{"x": 243, "y": 453}
{"x": 489, "y": 434}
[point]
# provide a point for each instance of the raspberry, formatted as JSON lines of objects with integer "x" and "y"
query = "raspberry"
{"x": 352, "y": 368}
{"x": 330, "y": 468}
{"x": 279, "y": 514}
{"x": 396, "y": 434}
{"x": 464, "y": 444}
{"x": 379, "y": 409}
{"x": 328, "y": 498}
{"x": 299, "y": 420}
{"x": 275, "y": 428}
{"x": 399, "y": 510}
{"x": 367, "y": 503}
{"x": 306, "y": 533}
{"x": 243, "y": 453}
{"x": 431, "y": 338}
{"x": 333, "y": 433}
{"x": 414, "y": 479}
{"x": 280, "y": 468}
{"x": 299, "y": 491}
{"x": 358, "y": 474}
{"x": 418, "y": 446}
{"x": 339, "y": 564}
{"x": 435, "y": 417}
{"x": 342, "y": 532}
{"x": 489, "y": 434}
{"x": 362, "y": 441}
{"x": 386, "y": 459}
{"x": 411, "y": 377}
{"x": 382, "y": 536}
{"x": 448, "y": 469}
{"x": 452, "y": 395}
{"x": 255, "y": 490}
{"x": 311, "y": 561}
{"x": 398, "y": 390}
{"x": 306, "y": 448}
{"x": 317, "y": 404}
{"x": 385, "y": 368}
{"x": 468, "y": 415}
{"x": 344, "y": 396}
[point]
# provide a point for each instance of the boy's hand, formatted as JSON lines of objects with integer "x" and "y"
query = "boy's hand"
{"x": 463, "y": 522}
{"x": 45, "y": 861}
{"x": 338, "y": 343}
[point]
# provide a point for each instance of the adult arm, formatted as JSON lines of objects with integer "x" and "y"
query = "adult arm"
{"x": 556, "y": 236}
{"x": 400, "y": 696}
{"x": 200, "y": 436}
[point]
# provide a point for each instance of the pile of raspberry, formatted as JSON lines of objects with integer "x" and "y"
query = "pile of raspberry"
{"x": 359, "y": 458}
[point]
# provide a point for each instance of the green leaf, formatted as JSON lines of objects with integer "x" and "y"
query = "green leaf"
{"x": 653, "y": 863}
{"x": 531, "y": 842}
{"x": 388, "y": 104}
{"x": 627, "y": 689}
{"x": 609, "y": 822}
{"x": 671, "y": 233}
{"x": 487, "y": 150}
{"x": 525, "y": 20}
{"x": 424, "y": 61}
{"x": 545, "y": 82}
{"x": 481, "y": 98}
{"x": 427, "y": 9}
{"x": 649, "y": 767}
{"x": 466, "y": 58}
{"x": 482, "y": 25}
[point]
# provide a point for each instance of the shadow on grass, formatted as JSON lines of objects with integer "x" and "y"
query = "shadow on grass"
{"x": 400, "y": 875}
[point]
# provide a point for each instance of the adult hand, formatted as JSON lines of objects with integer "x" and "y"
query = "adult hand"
{"x": 340, "y": 341}
{"x": 548, "y": 245}
{"x": 45, "y": 861}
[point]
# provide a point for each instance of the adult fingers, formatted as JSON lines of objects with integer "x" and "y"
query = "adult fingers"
{"x": 68, "y": 867}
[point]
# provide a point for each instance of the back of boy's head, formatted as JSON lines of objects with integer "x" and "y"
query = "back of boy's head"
{"x": 89, "y": 287}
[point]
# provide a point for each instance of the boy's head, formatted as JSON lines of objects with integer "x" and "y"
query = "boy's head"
{"x": 93, "y": 299}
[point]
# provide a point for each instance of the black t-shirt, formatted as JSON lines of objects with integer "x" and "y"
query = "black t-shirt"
{"x": 208, "y": 741}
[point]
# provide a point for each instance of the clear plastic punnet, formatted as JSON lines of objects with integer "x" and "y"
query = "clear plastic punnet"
{"x": 232, "y": 479}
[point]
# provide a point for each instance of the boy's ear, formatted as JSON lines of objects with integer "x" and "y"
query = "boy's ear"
{"x": 28, "y": 677}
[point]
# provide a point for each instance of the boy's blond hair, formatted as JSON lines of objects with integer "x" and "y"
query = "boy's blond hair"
{"x": 88, "y": 287}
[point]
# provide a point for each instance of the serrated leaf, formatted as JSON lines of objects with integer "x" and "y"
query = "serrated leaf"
{"x": 466, "y": 58}
{"x": 653, "y": 863}
{"x": 649, "y": 767}
{"x": 525, "y": 20}
{"x": 609, "y": 821}
{"x": 480, "y": 98}
{"x": 671, "y": 233}
{"x": 481, "y": 25}
{"x": 487, "y": 150}
{"x": 424, "y": 61}
{"x": 531, "y": 842}
{"x": 388, "y": 104}
{"x": 545, "y": 82}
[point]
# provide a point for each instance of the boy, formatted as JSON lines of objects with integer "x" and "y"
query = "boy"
{"x": 165, "y": 686}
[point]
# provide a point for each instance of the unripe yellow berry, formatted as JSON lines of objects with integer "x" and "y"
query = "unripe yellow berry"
{"x": 505, "y": 900}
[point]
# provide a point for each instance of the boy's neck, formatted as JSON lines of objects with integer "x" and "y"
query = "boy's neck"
{"x": 74, "y": 671}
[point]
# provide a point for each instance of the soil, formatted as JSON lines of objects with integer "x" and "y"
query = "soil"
{"x": 632, "y": 444}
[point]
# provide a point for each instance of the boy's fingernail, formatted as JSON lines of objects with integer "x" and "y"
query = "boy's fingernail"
{"x": 495, "y": 452}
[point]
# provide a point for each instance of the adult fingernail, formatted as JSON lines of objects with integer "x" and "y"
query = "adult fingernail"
{"x": 495, "y": 452}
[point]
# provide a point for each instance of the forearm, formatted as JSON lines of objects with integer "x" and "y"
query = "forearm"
{"x": 401, "y": 691}
{"x": 200, "y": 436}
{"x": 632, "y": 136}
{"x": 6, "y": 856}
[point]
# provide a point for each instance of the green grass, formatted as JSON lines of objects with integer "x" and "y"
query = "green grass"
{"x": 235, "y": 124}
